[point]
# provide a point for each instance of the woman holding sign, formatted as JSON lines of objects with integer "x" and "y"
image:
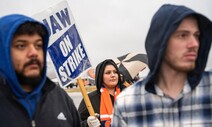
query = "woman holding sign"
{"x": 108, "y": 83}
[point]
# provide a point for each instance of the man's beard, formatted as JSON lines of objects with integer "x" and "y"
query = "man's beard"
{"x": 33, "y": 81}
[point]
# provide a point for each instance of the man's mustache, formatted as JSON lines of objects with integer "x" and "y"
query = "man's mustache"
{"x": 33, "y": 61}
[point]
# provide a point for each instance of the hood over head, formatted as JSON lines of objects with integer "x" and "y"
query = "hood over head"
{"x": 100, "y": 68}
{"x": 8, "y": 26}
{"x": 165, "y": 22}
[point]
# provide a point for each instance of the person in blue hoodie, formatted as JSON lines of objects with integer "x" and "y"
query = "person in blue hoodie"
{"x": 177, "y": 90}
{"x": 27, "y": 97}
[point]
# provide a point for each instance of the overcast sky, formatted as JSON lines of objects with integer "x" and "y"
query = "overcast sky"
{"x": 109, "y": 28}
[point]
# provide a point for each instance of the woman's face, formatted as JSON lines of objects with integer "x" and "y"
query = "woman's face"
{"x": 110, "y": 77}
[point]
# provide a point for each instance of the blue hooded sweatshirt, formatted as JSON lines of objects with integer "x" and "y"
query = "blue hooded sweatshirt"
{"x": 162, "y": 27}
{"x": 8, "y": 26}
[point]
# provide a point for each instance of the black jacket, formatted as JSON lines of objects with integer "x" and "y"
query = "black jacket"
{"x": 55, "y": 109}
{"x": 83, "y": 111}
{"x": 95, "y": 98}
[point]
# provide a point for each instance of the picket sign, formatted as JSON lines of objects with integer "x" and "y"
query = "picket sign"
{"x": 66, "y": 50}
{"x": 85, "y": 97}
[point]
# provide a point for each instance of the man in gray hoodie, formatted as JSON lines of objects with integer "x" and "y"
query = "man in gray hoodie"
{"x": 177, "y": 90}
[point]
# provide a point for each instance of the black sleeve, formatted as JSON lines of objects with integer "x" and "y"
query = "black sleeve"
{"x": 84, "y": 114}
{"x": 73, "y": 111}
{"x": 75, "y": 114}
{"x": 83, "y": 111}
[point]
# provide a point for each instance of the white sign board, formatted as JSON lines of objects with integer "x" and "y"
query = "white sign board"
{"x": 65, "y": 49}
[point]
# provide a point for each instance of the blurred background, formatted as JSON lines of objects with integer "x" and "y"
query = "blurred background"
{"x": 108, "y": 28}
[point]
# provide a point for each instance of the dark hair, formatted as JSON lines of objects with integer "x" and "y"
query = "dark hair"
{"x": 100, "y": 71}
{"x": 31, "y": 28}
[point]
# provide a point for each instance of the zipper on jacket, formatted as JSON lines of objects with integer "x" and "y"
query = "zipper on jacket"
{"x": 33, "y": 123}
